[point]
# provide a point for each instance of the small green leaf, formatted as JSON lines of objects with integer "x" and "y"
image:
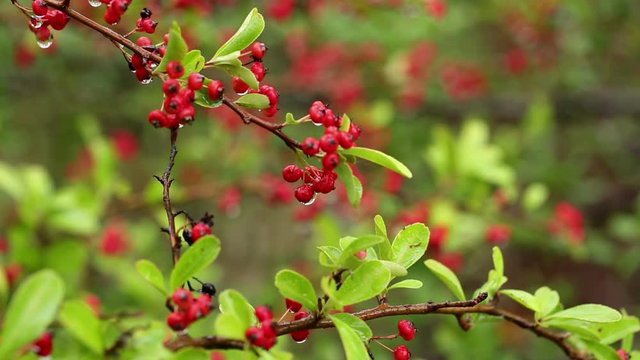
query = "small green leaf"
{"x": 582, "y": 329}
{"x": 253, "y": 101}
{"x": 367, "y": 281}
{"x": 395, "y": 269}
{"x": 150, "y": 272}
{"x": 406, "y": 284}
{"x": 351, "y": 183}
{"x": 242, "y": 72}
{"x": 176, "y": 49}
{"x": 329, "y": 256}
{"x": 410, "y": 244}
{"x": 192, "y": 62}
{"x": 379, "y": 158}
{"x": 295, "y": 286}
{"x": 203, "y": 99}
{"x": 353, "y": 346}
{"x": 248, "y": 32}
{"x": 547, "y": 300}
{"x": 588, "y": 312}
{"x": 498, "y": 261}
{"x": 200, "y": 255}
{"x": 346, "y": 123}
{"x": 384, "y": 248}
{"x": 358, "y": 244}
{"x": 229, "y": 325}
{"x": 356, "y": 324}
{"x": 78, "y": 318}
{"x": 233, "y": 302}
{"x": 616, "y": 331}
{"x": 601, "y": 352}
{"x": 32, "y": 308}
{"x": 289, "y": 119}
{"x": 524, "y": 298}
{"x": 381, "y": 228}
{"x": 448, "y": 278}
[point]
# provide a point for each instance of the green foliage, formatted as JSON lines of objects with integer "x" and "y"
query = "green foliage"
{"x": 351, "y": 340}
{"x": 150, "y": 272}
{"x": 365, "y": 282}
{"x": 199, "y": 255}
{"x": 253, "y": 101}
{"x": 448, "y": 277}
{"x": 248, "y": 32}
{"x": 296, "y": 287}
{"x": 379, "y": 158}
{"x": 176, "y": 49}
{"x": 80, "y": 320}
{"x": 410, "y": 244}
{"x": 351, "y": 183}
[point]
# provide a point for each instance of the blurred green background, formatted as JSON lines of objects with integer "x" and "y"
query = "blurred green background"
{"x": 523, "y": 114}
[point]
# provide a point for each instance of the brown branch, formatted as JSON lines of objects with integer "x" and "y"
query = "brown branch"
{"x": 166, "y": 181}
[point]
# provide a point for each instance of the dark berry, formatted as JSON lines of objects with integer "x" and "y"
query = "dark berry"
{"x": 145, "y": 13}
{"x": 175, "y": 70}
{"x": 291, "y": 173}
{"x": 304, "y": 193}
{"x": 209, "y": 289}
{"x": 406, "y": 329}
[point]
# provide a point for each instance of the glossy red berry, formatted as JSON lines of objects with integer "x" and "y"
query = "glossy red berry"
{"x": 157, "y": 118}
{"x": 292, "y": 305}
{"x": 355, "y": 131}
{"x": 144, "y": 41}
{"x": 199, "y": 230}
{"x": 263, "y": 313}
{"x": 291, "y": 173}
{"x": 401, "y": 353}
{"x": 39, "y": 7}
{"x": 255, "y": 336}
{"x": 304, "y": 193}
{"x": 215, "y": 89}
{"x": 301, "y": 335}
{"x": 57, "y": 19}
{"x": 177, "y": 321}
{"x": 137, "y": 61}
{"x": 271, "y": 93}
{"x": 146, "y": 25}
{"x": 328, "y": 143}
{"x": 330, "y": 161}
{"x": 187, "y": 115}
{"x": 43, "y": 346}
{"x": 311, "y": 146}
{"x": 258, "y": 69}
{"x": 239, "y": 86}
{"x": 195, "y": 81}
{"x": 111, "y": 16}
{"x": 326, "y": 184}
{"x": 171, "y": 87}
{"x": 329, "y": 118}
{"x": 345, "y": 140}
{"x": 43, "y": 34}
{"x": 316, "y": 113}
{"x": 143, "y": 74}
{"x": 172, "y": 105}
{"x": 182, "y": 298}
{"x": 406, "y": 329}
{"x": 258, "y": 50}
{"x": 175, "y": 70}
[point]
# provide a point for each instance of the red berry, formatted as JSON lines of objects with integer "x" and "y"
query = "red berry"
{"x": 255, "y": 336}
{"x": 199, "y": 230}
{"x": 263, "y": 313}
{"x": 326, "y": 184}
{"x": 258, "y": 69}
{"x": 57, "y": 19}
{"x": 157, "y": 118}
{"x": 401, "y": 353}
{"x": 111, "y": 17}
{"x": 271, "y": 93}
{"x": 187, "y": 95}
{"x": 316, "y": 112}
{"x": 175, "y": 70}
{"x": 329, "y": 118}
{"x": 268, "y": 328}
{"x": 43, "y": 33}
{"x": 498, "y": 234}
{"x": 182, "y": 298}
{"x": 204, "y": 304}
{"x": 195, "y": 81}
{"x": 239, "y": 86}
{"x": 304, "y": 193}
{"x": 44, "y": 345}
{"x": 216, "y": 89}
{"x": 292, "y": 305}
{"x": 291, "y": 173}
{"x": 345, "y": 140}
{"x": 355, "y": 131}
{"x": 146, "y": 25}
{"x": 171, "y": 87}
{"x": 406, "y": 329}
{"x": 177, "y": 321}
{"x": 310, "y": 146}
{"x": 172, "y": 105}
{"x": 187, "y": 115}
{"x": 142, "y": 74}
{"x": 137, "y": 61}
{"x": 330, "y": 161}
{"x": 144, "y": 41}
{"x": 258, "y": 50}
{"x": 329, "y": 143}
{"x": 39, "y": 7}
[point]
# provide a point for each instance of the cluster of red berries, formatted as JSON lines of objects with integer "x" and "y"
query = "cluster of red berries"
{"x": 141, "y": 66}
{"x": 264, "y": 335}
{"x": 257, "y": 51}
{"x": 115, "y": 10}
{"x": 407, "y": 331}
{"x": 316, "y": 180}
{"x": 145, "y": 23}
{"x": 295, "y": 307}
{"x": 198, "y": 229}
{"x": 43, "y": 346}
{"x": 45, "y": 18}
{"x": 188, "y": 309}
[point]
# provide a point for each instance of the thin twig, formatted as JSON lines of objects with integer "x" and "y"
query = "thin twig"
{"x": 166, "y": 181}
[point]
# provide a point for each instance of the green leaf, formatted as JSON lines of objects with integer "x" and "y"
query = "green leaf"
{"x": 406, "y": 284}
{"x": 395, "y": 269}
{"x": 150, "y": 272}
{"x": 601, "y": 352}
{"x": 588, "y": 312}
{"x": 346, "y": 123}
{"x": 351, "y": 183}
{"x": 248, "y": 32}
{"x": 4, "y": 290}
{"x": 358, "y": 244}
{"x": 381, "y": 228}
{"x": 524, "y": 298}
{"x": 10, "y": 181}
{"x": 547, "y": 301}
{"x": 233, "y": 302}
{"x": 410, "y": 244}
{"x": 289, "y": 119}
{"x": 203, "y": 99}
{"x": 448, "y": 278}
{"x": 616, "y": 331}
{"x": 367, "y": 281}
{"x": 193, "y": 61}
{"x": 582, "y": 329}
{"x": 498, "y": 260}
{"x": 253, "y": 101}
{"x": 355, "y": 323}
{"x": 384, "y": 248}
{"x": 353, "y": 346}
{"x": 236, "y": 69}
{"x": 31, "y": 310}
{"x": 296, "y": 287}
{"x": 79, "y": 319}
{"x": 229, "y": 325}
{"x": 329, "y": 256}
{"x": 200, "y": 255}
{"x": 534, "y": 196}
{"x": 379, "y": 158}
{"x": 176, "y": 48}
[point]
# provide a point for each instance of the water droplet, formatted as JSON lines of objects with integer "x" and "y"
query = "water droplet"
{"x": 313, "y": 199}
{"x": 153, "y": 65}
{"x": 95, "y": 3}
{"x": 146, "y": 81}
{"x": 301, "y": 341}
{"x": 317, "y": 124}
{"x": 244, "y": 93}
{"x": 36, "y": 22}
{"x": 46, "y": 43}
